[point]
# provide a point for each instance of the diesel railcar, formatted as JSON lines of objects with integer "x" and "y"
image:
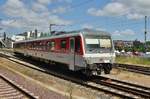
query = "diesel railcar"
{"x": 88, "y": 51}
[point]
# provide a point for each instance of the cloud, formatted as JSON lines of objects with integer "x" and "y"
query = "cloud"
{"x": 132, "y": 9}
{"x": 126, "y": 32}
{"x": 135, "y": 16}
{"x": 88, "y": 26}
{"x": 14, "y": 8}
{"x": 37, "y": 7}
{"x": 59, "y": 9}
{"x": 45, "y": 2}
{"x": 28, "y": 18}
{"x": 113, "y": 9}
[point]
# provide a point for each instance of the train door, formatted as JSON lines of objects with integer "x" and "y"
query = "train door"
{"x": 72, "y": 54}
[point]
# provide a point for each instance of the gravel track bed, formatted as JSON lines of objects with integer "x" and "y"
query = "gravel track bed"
{"x": 33, "y": 87}
{"x": 9, "y": 92}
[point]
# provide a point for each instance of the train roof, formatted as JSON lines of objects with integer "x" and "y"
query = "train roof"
{"x": 93, "y": 32}
{"x": 71, "y": 33}
{"x": 89, "y": 31}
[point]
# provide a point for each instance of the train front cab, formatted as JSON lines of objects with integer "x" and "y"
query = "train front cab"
{"x": 91, "y": 54}
{"x": 99, "y": 54}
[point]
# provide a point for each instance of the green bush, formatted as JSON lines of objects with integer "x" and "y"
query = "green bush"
{"x": 133, "y": 60}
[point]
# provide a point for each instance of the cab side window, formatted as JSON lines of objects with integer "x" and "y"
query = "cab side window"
{"x": 77, "y": 45}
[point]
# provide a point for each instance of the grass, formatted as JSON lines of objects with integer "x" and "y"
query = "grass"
{"x": 133, "y": 60}
{"x": 6, "y": 50}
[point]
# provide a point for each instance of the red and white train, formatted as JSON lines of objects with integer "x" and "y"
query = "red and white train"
{"x": 85, "y": 50}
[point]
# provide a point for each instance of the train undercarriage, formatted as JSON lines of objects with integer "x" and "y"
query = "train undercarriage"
{"x": 97, "y": 69}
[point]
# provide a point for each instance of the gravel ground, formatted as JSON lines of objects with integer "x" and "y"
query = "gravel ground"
{"x": 67, "y": 89}
{"x": 9, "y": 92}
{"x": 33, "y": 87}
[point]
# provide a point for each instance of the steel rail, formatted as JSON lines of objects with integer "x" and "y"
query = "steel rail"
{"x": 124, "y": 86}
{"x": 133, "y": 68}
{"x": 27, "y": 94}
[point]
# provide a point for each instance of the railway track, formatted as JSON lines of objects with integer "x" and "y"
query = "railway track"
{"x": 108, "y": 85}
{"x": 8, "y": 90}
{"x": 133, "y": 68}
{"x": 128, "y": 89}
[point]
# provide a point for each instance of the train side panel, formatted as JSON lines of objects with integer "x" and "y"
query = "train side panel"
{"x": 58, "y": 52}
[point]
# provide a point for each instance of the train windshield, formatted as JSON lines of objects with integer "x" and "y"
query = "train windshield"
{"x": 98, "y": 44}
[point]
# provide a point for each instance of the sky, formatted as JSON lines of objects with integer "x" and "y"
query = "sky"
{"x": 123, "y": 19}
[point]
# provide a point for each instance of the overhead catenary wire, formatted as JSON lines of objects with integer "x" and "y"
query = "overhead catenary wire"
{"x": 71, "y": 7}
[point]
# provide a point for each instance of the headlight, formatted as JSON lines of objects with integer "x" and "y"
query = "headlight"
{"x": 106, "y": 61}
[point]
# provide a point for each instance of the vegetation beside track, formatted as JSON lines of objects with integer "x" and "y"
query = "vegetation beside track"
{"x": 133, "y": 60}
{"x": 7, "y": 50}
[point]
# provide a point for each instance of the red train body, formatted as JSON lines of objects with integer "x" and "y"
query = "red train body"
{"x": 73, "y": 49}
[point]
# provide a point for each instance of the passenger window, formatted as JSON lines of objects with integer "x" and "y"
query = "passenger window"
{"x": 63, "y": 44}
{"x": 52, "y": 45}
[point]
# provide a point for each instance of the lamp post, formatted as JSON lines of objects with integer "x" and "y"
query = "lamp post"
{"x": 0, "y": 23}
{"x": 145, "y": 33}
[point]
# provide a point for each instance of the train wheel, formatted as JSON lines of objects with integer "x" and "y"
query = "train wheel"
{"x": 109, "y": 67}
{"x": 99, "y": 72}
{"x": 106, "y": 69}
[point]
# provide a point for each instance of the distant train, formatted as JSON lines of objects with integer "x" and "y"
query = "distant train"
{"x": 86, "y": 50}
